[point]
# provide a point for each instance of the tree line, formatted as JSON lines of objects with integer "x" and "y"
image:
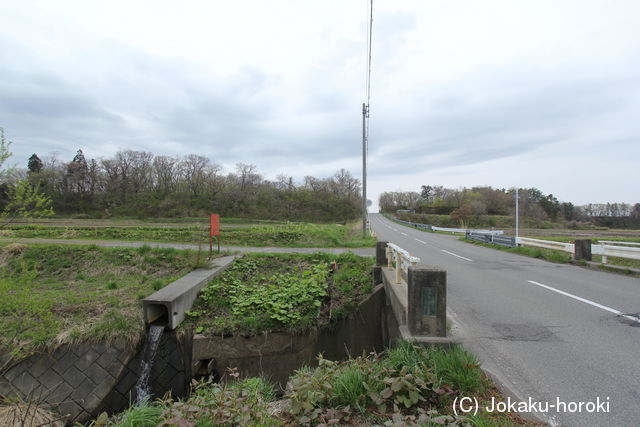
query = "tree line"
{"x": 464, "y": 203}
{"x": 139, "y": 183}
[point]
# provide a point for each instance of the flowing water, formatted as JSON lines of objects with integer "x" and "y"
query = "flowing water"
{"x": 143, "y": 386}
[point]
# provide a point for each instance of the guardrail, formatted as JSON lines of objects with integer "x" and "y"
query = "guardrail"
{"x": 606, "y": 248}
{"x": 619, "y": 242}
{"x": 609, "y": 248}
{"x": 445, "y": 229}
{"x": 491, "y": 238}
{"x": 547, "y": 244}
{"x": 402, "y": 258}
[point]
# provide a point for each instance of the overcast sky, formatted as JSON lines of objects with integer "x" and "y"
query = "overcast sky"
{"x": 504, "y": 93}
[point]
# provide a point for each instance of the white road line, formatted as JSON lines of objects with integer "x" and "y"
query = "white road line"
{"x": 595, "y": 304}
{"x": 404, "y": 234}
{"x": 395, "y": 229}
{"x": 456, "y": 255}
{"x": 421, "y": 241}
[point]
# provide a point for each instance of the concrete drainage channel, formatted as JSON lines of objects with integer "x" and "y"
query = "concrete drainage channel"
{"x": 172, "y": 301}
{"x": 82, "y": 381}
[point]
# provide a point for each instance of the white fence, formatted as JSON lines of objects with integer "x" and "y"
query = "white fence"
{"x": 547, "y": 244}
{"x": 402, "y": 258}
{"x": 609, "y": 248}
{"x": 606, "y": 248}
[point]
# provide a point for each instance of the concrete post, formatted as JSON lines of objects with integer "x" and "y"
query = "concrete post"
{"x": 427, "y": 301}
{"x": 398, "y": 267}
{"x": 381, "y": 254}
{"x": 389, "y": 255}
{"x": 582, "y": 249}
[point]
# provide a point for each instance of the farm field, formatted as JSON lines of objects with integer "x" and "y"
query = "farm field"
{"x": 138, "y": 222}
{"x": 256, "y": 235}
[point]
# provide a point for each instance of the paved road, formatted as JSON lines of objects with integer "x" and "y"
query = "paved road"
{"x": 204, "y": 247}
{"x": 548, "y": 331}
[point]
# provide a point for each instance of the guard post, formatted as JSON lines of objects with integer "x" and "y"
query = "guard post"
{"x": 381, "y": 261}
{"x": 582, "y": 250}
{"x": 427, "y": 301}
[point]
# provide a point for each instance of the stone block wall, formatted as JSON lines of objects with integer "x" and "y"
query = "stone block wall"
{"x": 81, "y": 381}
{"x": 73, "y": 380}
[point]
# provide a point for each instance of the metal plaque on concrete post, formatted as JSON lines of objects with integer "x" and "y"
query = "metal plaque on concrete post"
{"x": 582, "y": 249}
{"x": 427, "y": 301}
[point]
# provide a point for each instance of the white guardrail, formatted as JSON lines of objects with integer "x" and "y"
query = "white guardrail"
{"x": 547, "y": 244}
{"x": 606, "y": 248}
{"x": 402, "y": 259}
{"x": 445, "y": 229}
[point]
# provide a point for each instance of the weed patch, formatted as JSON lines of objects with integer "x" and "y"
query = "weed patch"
{"x": 407, "y": 385}
{"x": 54, "y": 295}
{"x": 268, "y": 292}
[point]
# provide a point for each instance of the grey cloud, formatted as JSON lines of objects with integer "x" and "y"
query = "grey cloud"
{"x": 513, "y": 113}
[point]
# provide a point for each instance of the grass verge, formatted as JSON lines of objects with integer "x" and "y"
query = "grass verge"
{"x": 55, "y": 295}
{"x": 269, "y": 292}
{"x": 285, "y": 235}
{"x": 407, "y": 385}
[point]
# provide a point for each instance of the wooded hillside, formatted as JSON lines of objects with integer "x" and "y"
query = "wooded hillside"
{"x": 136, "y": 183}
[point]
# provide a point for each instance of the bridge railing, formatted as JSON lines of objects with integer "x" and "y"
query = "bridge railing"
{"x": 402, "y": 258}
{"x": 546, "y": 244}
{"x": 606, "y": 248}
{"x": 620, "y": 249}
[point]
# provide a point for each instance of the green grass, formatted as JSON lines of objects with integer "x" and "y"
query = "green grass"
{"x": 458, "y": 368}
{"x": 145, "y": 415}
{"x": 53, "y": 295}
{"x": 406, "y": 385}
{"x": 268, "y": 292}
{"x": 278, "y": 235}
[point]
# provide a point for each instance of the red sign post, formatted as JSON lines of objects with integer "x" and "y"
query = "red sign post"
{"x": 214, "y": 230}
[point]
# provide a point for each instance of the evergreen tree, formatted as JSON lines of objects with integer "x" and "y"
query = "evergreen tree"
{"x": 35, "y": 164}
{"x": 77, "y": 173}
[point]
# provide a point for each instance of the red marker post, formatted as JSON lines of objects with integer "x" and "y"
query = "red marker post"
{"x": 214, "y": 230}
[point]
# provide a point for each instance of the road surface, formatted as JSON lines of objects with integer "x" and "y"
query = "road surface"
{"x": 554, "y": 333}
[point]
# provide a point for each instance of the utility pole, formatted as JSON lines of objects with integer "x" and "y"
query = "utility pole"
{"x": 517, "y": 215}
{"x": 365, "y": 124}
{"x": 365, "y": 115}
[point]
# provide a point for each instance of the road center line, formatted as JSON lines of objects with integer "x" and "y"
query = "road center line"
{"x": 595, "y": 304}
{"x": 404, "y": 234}
{"x": 421, "y": 241}
{"x": 456, "y": 255}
